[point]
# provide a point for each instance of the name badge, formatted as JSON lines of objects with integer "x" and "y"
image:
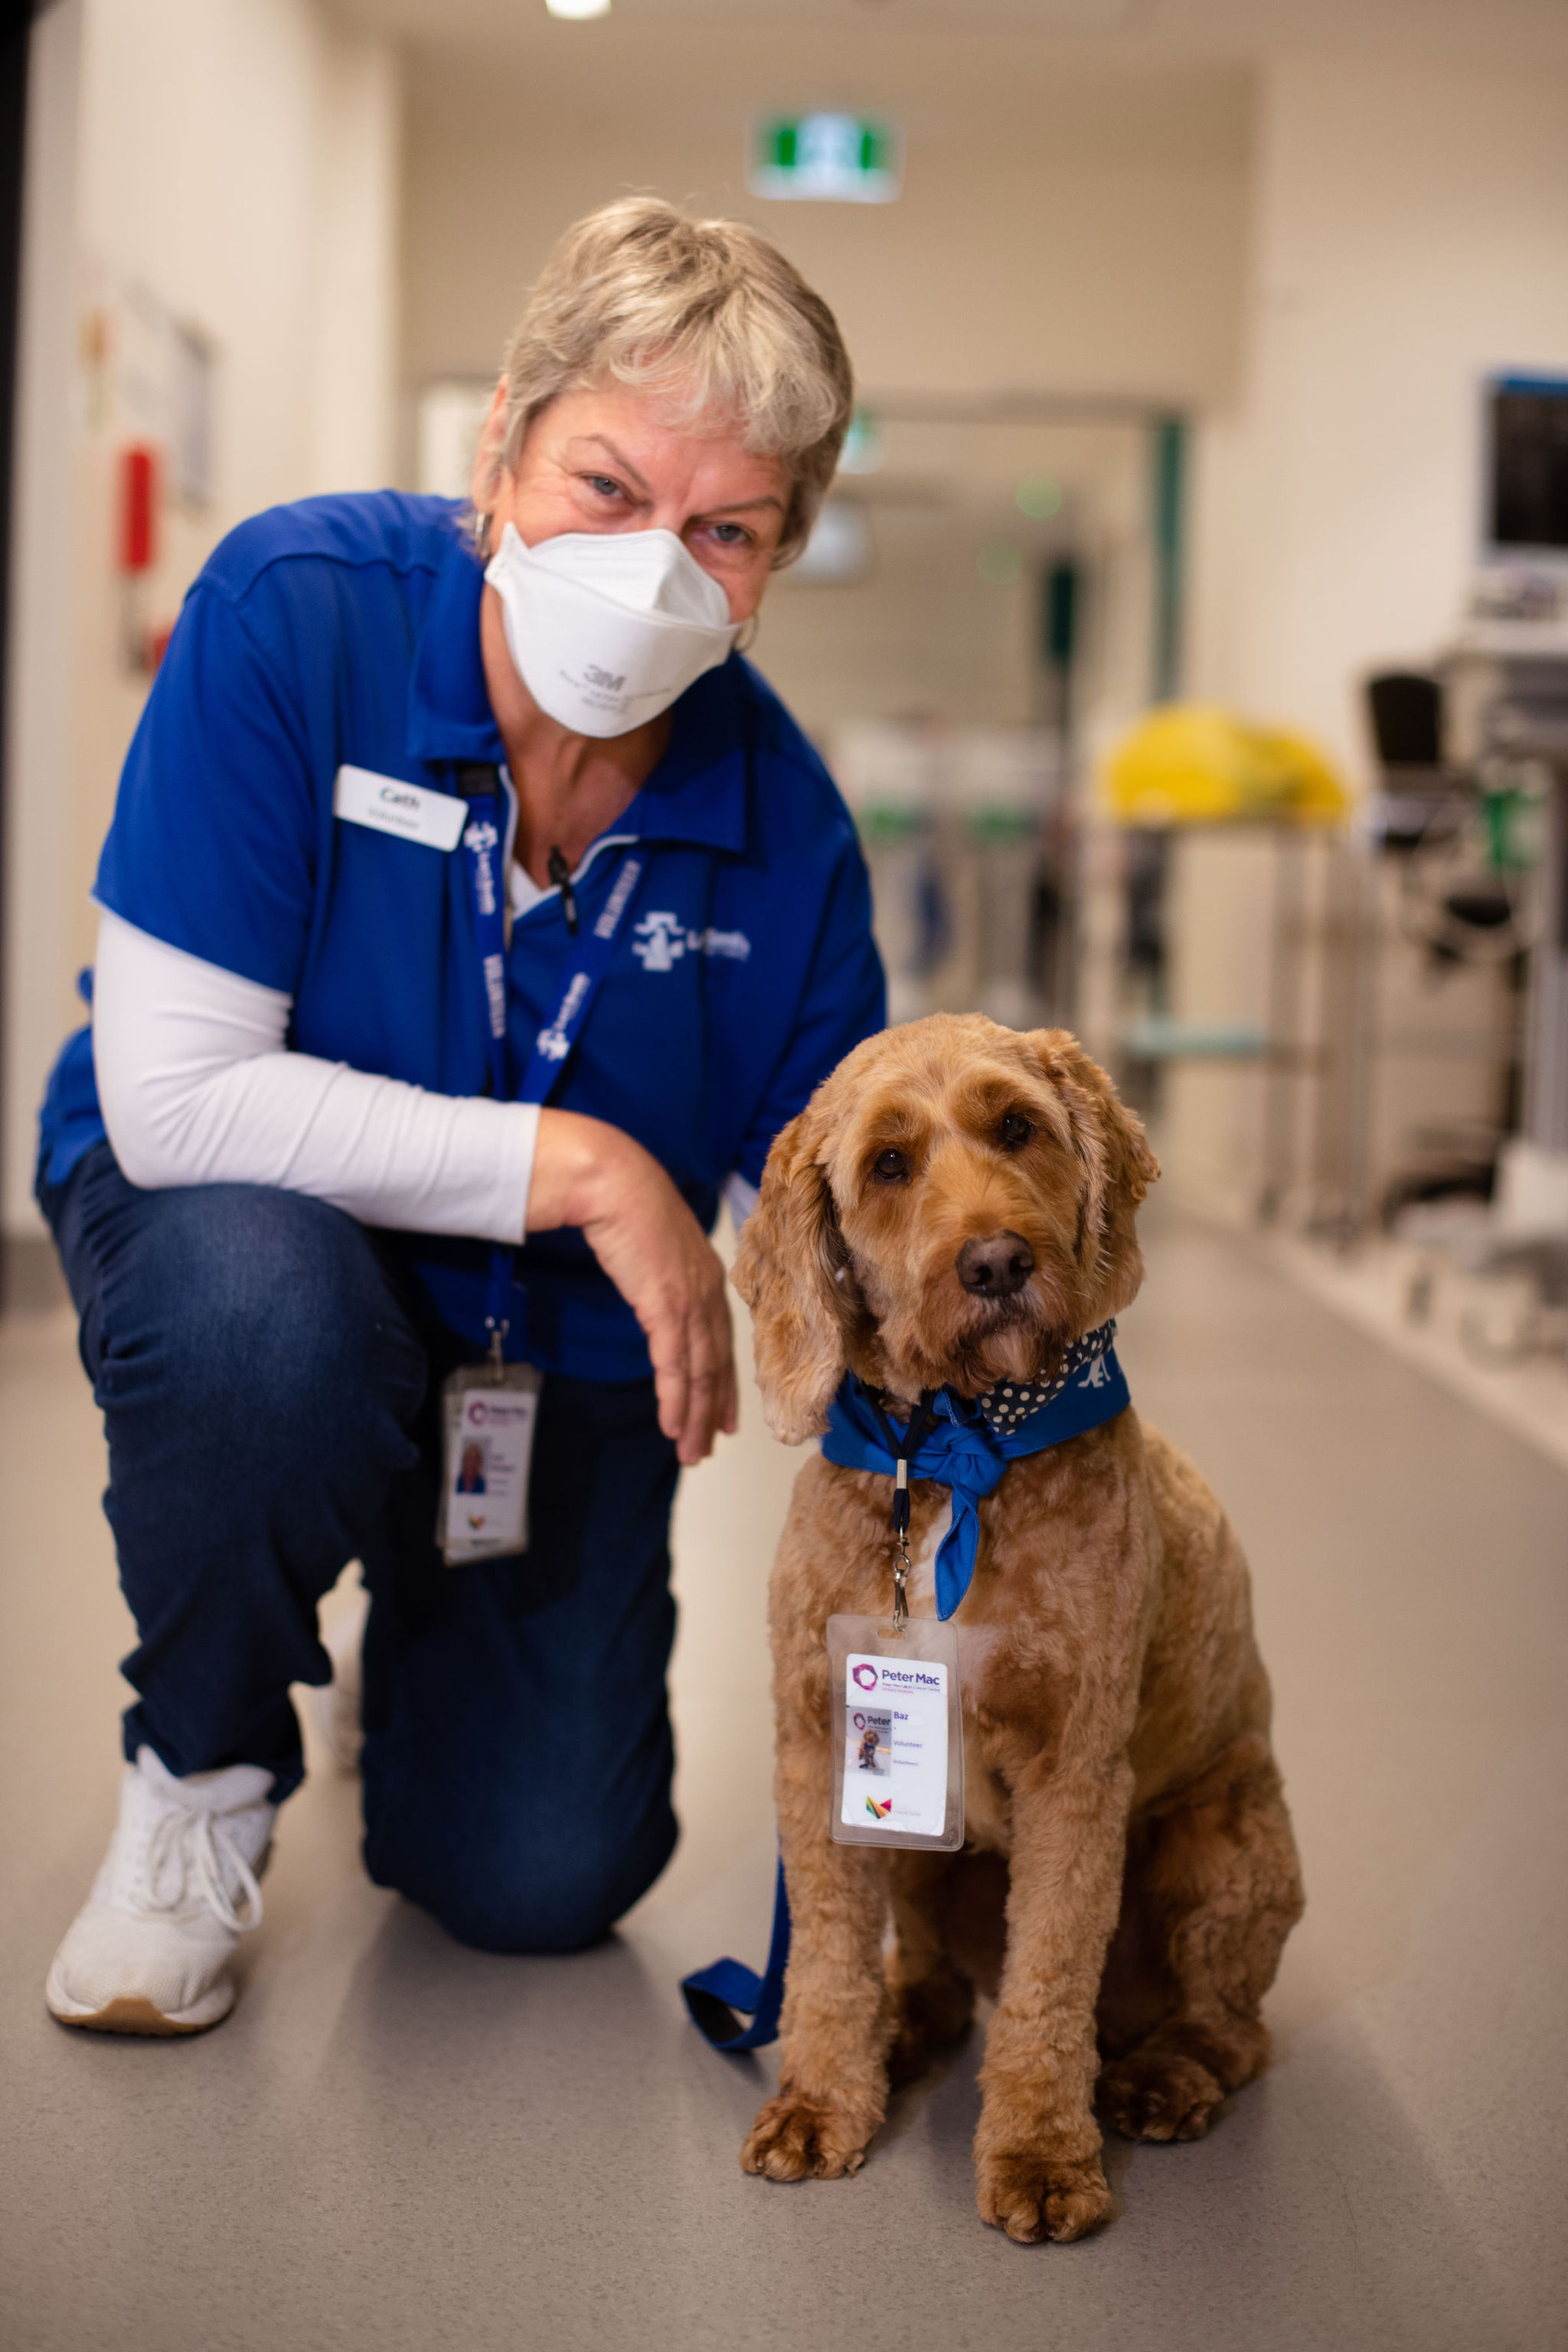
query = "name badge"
{"x": 898, "y": 1766}
{"x": 489, "y": 1420}
{"x": 387, "y": 804}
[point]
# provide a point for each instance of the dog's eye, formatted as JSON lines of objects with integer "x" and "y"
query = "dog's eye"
{"x": 1014, "y": 1131}
{"x": 890, "y": 1167}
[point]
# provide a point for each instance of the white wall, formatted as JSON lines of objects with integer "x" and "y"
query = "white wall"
{"x": 38, "y": 691}
{"x": 1410, "y": 232}
{"x": 1064, "y": 226}
{"x": 353, "y": 344}
{"x": 238, "y": 161}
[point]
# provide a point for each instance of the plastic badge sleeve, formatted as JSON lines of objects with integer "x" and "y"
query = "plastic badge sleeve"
{"x": 488, "y": 1425}
{"x": 897, "y": 1734}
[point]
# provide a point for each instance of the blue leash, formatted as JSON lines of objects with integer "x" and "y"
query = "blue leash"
{"x": 714, "y": 1994}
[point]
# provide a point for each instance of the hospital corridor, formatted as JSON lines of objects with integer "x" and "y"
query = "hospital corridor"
{"x": 759, "y": 750}
{"x": 397, "y": 2142}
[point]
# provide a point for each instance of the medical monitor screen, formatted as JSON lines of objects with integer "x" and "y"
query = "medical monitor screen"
{"x": 1528, "y": 472}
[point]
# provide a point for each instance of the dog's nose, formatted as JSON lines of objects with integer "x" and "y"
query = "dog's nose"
{"x": 997, "y": 1266}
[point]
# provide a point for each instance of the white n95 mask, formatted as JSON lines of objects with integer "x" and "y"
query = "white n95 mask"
{"x": 607, "y": 628}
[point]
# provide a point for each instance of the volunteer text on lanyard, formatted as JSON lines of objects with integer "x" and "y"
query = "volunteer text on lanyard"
{"x": 490, "y": 1409}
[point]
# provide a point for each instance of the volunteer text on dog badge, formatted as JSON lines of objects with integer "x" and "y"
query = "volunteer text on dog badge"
{"x": 895, "y": 1744}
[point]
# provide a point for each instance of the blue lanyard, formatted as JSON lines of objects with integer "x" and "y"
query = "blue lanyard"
{"x": 587, "y": 964}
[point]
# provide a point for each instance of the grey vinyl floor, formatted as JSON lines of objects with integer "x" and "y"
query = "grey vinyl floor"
{"x": 395, "y": 2143}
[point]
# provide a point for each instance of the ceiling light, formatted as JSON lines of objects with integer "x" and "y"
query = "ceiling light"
{"x": 577, "y": 9}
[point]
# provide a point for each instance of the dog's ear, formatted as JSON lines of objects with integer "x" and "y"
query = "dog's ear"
{"x": 791, "y": 1268}
{"x": 1118, "y": 1164}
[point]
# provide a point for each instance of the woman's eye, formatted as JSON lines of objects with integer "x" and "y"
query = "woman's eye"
{"x": 731, "y": 534}
{"x": 606, "y": 484}
{"x": 1014, "y": 1131}
{"x": 890, "y": 1167}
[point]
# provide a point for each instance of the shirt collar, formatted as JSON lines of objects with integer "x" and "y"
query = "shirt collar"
{"x": 449, "y": 715}
{"x": 700, "y": 791}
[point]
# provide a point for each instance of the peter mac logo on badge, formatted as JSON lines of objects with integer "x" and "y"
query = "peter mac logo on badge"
{"x": 866, "y": 1676}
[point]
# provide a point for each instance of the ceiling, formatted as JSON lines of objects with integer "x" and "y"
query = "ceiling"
{"x": 1239, "y": 30}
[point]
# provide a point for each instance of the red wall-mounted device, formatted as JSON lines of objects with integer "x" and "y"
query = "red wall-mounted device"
{"x": 137, "y": 509}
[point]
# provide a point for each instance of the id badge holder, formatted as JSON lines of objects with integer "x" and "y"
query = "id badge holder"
{"x": 488, "y": 1416}
{"x": 898, "y": 1749}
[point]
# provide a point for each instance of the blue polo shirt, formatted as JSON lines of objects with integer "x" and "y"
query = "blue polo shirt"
{"x": 345, "y": 632}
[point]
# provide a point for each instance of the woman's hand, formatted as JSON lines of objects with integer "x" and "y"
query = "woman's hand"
{"x": 588, "y": 1173}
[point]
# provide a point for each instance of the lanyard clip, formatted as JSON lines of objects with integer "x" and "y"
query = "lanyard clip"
{"x": 561, "y": 875}
{"x": 901, "y": 1537}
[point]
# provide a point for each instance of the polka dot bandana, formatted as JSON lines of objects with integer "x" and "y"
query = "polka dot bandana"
{"x": 952, "y": 1442}
{"x": 1005, "y": 1407}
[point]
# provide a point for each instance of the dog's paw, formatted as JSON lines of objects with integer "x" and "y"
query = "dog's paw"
{"x": 931, "y": 2015}
{"x": 800, "y": 2139}
{"x": 911, "y": 2055}
{"x": 1033, "y": 2197}
{"x": 1159, "y": 2094}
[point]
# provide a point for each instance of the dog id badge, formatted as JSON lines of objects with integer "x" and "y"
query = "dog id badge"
{"x": 898, "y": 1750}
{"x": 487, "y": 1417}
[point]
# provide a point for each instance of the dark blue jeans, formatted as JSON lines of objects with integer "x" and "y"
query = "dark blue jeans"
{"x": 270, "y": 1389}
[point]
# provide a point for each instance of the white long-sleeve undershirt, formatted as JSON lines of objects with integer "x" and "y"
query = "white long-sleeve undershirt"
{"x": 197, "y": 1086}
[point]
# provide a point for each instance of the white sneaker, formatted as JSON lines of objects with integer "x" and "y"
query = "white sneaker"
{"x": 149, "y": 1950}
{"x": 335, "y": 1706}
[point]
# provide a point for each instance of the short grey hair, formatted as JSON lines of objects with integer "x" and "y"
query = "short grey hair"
{"x": 641, "y": 294}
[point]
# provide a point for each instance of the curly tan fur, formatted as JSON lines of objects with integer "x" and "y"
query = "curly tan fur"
{"x": 1128, "y": 1875}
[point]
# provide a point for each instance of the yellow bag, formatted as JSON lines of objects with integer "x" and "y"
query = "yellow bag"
{"x": 1191, "y": 763}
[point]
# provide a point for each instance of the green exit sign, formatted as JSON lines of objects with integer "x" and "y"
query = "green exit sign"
{"x": 852, "y": 159}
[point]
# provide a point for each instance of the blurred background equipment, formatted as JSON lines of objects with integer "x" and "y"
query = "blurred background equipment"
{"x": 1185, "y": 764}
{"x": 1221, "y": 814}
{"x": 968, "y": 835}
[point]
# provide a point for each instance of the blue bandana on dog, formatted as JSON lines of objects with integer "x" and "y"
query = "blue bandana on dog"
{"x": 967, "y": 1445}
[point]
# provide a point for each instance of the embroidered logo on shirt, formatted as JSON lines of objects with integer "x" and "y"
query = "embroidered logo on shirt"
{"x": 659, "y": 940}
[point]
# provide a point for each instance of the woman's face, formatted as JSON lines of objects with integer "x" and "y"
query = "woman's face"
{"x": 616, "y": 459}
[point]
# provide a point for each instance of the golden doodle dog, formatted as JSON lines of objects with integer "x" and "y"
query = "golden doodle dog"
{"x": 955, "y": 1206}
